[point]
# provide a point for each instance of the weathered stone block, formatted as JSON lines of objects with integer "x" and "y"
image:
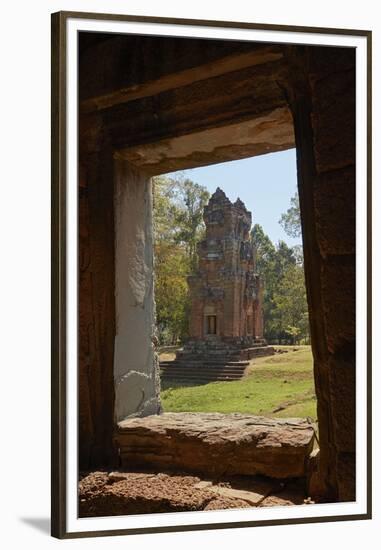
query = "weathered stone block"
{"x": 333, "y": 121}
{"x": 339, "y": 304}
{"x": 136, "y": 493}
{"x": 342, "y": 376}
{"x": 324, "y": 61}
{"x": 346, "y": 476}
{"x": 334, "y": 198}
{"x": 96, "y": 309}
{"x": 217, "y": 444}
{"x": 120, "y": 493}
{"x": 315, "y": 486}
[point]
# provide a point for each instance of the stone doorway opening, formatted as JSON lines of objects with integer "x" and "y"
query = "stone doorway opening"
{"x": 232, "y": 282}
{"x": 211, "y": 325}
{"x": 228, "y": 373}
{"x": 227, "y": 101}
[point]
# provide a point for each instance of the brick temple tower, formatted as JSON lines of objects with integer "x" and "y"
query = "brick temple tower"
{"x": 226, "y": 293}
{"x": 226, "y": 318}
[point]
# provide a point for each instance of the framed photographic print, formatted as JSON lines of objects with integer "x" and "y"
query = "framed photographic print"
{"x": 211, "y": 274}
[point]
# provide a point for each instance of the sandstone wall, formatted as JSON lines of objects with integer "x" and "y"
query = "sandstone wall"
{"x": 96, "y": 307}
{"x": 322, "y": 97}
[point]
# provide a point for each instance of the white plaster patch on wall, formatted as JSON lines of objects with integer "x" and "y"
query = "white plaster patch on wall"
{"x": 135, "y": 365}
{"x": 134, "y": 220}
{"x": 132, "y": 394}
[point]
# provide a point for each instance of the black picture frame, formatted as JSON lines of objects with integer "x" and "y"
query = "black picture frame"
{"x": 58, "y": 312}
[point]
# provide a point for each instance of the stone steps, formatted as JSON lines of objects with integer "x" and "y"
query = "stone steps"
{"x": 209, "y": 356}
{"x": 200, "y": 377}
{"x": 202, "y": 363}
{"x": 194, "y": 371}
{"x": 190, "y": 373}
{"x": 246, "y": 353}
{"x": 202, "y": 371}
{"x": 203, "y": 367}
{"x": 209, "y": 360}
{"x": 212, "y": 364}
{"x": 207, "y": 364}
{"x": 220, "y": 352}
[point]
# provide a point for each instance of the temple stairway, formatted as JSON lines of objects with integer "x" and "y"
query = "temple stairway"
{"x": 204, "y": 362}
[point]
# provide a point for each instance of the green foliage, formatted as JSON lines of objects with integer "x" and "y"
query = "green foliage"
{"x": 189, "y": 219}
{"x": 177, "y": 208}
{"x": 284, "y": 301}
{"x": 291, "y": 304}
{"x": 265, "y": 252}
{"x": 290, "y": 220}
{"x": 282, "y": 382}
{"x": 172, "y": 304}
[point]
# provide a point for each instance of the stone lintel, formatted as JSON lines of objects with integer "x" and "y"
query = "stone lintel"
{"x": 257, "y": 136}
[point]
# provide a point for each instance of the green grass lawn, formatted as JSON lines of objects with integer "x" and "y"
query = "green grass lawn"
{"x": 284, "y": 380}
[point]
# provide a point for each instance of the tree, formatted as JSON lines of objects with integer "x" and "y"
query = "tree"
{"x": 265, "y": 250}
{"x": 291, "y": 304}
{"x": 177, "y": 208}
{"x": 290, "y": 220}
{"x": 298, "y": 254}
{"x": 171, "y": 290}
{"x": 265, "y": 267}
{"x": 284, "y": 258}
{"x": 284, "y": 300}
{"x": 189, "y": 219}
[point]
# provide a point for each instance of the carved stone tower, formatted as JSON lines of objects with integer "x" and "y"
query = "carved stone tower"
{"x": 226, "y": 318}
{"x": 226, "y": 293}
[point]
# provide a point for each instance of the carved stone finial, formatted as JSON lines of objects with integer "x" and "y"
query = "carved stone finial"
{"x": 219, "y": 196}
{"x": 239, "y": 204}
{"x": 219, "y": 192}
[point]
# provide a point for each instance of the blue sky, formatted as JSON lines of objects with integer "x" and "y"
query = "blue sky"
{"x": 264, "y": 183}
